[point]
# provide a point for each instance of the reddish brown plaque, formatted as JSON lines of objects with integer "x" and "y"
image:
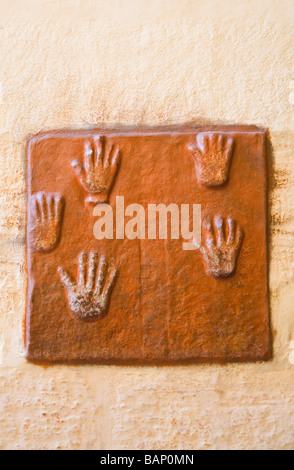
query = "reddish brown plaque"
{"x": 127, "y": 300}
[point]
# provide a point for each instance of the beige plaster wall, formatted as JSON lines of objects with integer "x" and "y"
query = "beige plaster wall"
{"x": 77, "y": 63}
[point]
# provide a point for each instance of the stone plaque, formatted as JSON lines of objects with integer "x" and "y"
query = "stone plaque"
{"x": 113, "y": 277}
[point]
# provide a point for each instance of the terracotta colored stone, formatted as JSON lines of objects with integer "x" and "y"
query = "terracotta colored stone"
{"x": 147, "y": 301}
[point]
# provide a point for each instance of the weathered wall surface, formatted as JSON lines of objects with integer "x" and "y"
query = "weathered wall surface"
{"x": 77, "y": 63}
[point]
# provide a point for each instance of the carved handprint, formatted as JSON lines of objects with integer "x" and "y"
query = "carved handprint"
{"x": 213, "y": 154}
{"x": 222, "y": 243}
{"x": 47, "y": 220}
{"x": 98, "y": 171}
{"x": 89, "y": 296}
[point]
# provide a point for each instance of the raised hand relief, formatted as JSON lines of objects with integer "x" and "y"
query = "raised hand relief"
{"x": 89, "y": 296}
{"x": 221, "y": 247}
{"x": 47, "y": 215}
{"x": 98, "y": 170}
{"x": 213, "y": 155}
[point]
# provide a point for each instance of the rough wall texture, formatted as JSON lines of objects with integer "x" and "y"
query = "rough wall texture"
{"x": 77, "y": 63}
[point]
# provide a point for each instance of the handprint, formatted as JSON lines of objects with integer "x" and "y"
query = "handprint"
{"x": 98, "y": 171}
{"x": 47, "y": 220}
{"x": 213, "y": 155}
{"x": 89, "y": 296}
{"x": 221, "y": 246}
